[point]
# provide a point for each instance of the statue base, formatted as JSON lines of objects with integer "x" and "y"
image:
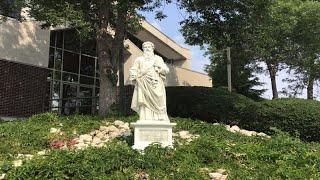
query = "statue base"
{"x": 147, "y": 132}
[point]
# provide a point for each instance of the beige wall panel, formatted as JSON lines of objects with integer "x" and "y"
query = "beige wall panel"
{"x": 24, "y": 42}
{"x": 185, "y": 77}
{"x": 182, "y": 63}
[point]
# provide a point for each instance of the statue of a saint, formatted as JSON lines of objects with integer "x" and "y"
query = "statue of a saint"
{"x": 148, "y": 73}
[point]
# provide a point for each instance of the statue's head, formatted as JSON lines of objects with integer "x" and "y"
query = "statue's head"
{"x": 148, "y": 47}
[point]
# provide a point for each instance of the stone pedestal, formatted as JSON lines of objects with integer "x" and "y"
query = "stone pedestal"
{"x": 147, "y": 132}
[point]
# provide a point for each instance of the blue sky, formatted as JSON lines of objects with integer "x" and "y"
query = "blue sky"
{"x": 170, "y": 26}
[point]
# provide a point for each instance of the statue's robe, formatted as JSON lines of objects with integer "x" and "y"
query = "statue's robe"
{"x": 149, "y": 96}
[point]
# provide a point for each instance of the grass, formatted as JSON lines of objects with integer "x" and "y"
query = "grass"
{"x": 281, "y": 157}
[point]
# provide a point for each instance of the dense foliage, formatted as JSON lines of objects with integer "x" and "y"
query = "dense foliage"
{"x": 296, "y": 116}
{"x": 207, "y": 104}
{"x": 277, "y": 34}
{"x": 281, "y": 157}
{"x": 242, "y": 79}
{"x": 220, "y": 24}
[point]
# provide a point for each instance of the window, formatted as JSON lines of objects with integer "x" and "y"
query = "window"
{"x": 73, "y": 77}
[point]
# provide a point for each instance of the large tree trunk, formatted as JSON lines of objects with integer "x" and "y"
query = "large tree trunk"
{"x": 117, "y": 51}
{"x": 107, "y": 94}
{"x": 272, "y": 72}
{"x": 310, "y": 86}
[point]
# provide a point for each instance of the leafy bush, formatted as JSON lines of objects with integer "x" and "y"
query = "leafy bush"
{"x": 299, "y": 117}
{"x": 209, "y": 104}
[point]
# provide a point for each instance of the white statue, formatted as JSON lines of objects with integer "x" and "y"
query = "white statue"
{"x": 148, "y": 74}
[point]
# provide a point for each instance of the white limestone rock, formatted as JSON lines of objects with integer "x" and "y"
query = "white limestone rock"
{"x": 263, "y": 135}
{"x": 228, "y": 127}
{"x": 96, "y": 140}
{"x": 113, "y": 134}
{"x": 245, "y": 132}
{"x": 85, "y": 138}
{"x": 118, "y": 123}
{"x": 81, "y": 145}
{"x": 17, "y": 163}
{"x": 2, "y": 176}
{"x": 55, "y": 130}
{"x": 234, "y": 129}
{"x": 184, "y": 134}
{"x": 111, "y": 129}
{"x": 41, "y": 153}
{"x": 224, "y": 177}
{"x": 125, "y": 126}
{"x": 100, "y": 135}
{"x": 103, "y": 128}
{"x": 28, "y": 156}
{"x": 218, "y": 176}
{"x": 24, "y": 156}
{"x": 215, "y": 176}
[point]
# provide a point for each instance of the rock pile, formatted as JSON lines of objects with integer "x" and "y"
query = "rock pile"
{"x": 219, "y": 174}
{"x": 98, "y": 138}
{"x": 236, "y": 129}
{"x": 185, "y": 135}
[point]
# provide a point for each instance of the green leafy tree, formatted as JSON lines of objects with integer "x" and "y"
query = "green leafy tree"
{"x": 243, "y": 80}
{"x": 222, "y": 24}
{"x": 306, "y": 33}
{"x": 273, "y": 42}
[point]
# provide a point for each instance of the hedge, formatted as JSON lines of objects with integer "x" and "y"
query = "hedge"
{"x": 299, "y": 117}
{"x": 208, "y": 104}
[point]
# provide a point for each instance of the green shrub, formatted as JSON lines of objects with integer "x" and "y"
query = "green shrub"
{"x": 209, "y": 104}
{"x": 299, "y": 117}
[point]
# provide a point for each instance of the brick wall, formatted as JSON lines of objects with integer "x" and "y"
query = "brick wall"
{"x": 22, "y": 89}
